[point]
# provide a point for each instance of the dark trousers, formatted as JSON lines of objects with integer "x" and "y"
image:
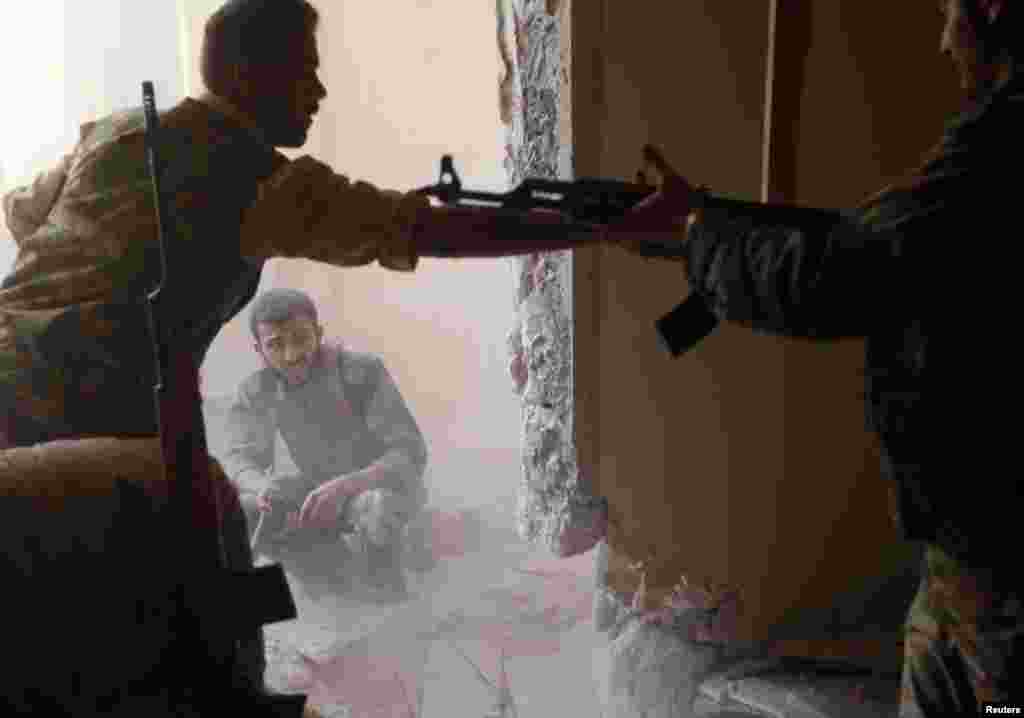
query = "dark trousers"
{"x": 964, "y": 643}
{"x": 250, "y": 664}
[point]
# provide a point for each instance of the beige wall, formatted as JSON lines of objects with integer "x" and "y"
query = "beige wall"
{"x": 667, "y": 437}
{"x": 746, "y": 461}
{"x": 408, "y": 81}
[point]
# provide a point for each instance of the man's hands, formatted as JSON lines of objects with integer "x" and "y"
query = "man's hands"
{"x": 323, "y": 505}
{"x": 662, "y": 217}
{"x": 381, "y": 515}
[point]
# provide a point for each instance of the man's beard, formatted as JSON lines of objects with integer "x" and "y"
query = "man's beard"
{"x": 285, "y": 131}
{"x": 300, "y": 373}
{"x": 295, "y": 377}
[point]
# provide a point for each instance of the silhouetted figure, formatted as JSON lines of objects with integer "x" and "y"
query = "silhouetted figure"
{"x": 921, "y": 271}
{"x": 75, "y": 356}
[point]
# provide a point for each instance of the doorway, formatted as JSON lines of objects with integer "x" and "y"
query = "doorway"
{"x": 498, "y": 615}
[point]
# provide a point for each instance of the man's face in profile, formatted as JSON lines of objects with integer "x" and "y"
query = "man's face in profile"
{"x": 284, "y": 96}
{"x": 290, "y": 347}
{"x": 961, "y": 43}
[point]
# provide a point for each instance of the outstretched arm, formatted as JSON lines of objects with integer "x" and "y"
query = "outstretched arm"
{"x": 307, "y": 210}
{"x": 466, "y": 232}
{"x": 817, "y": 279}
{"x": 804, "y": 272}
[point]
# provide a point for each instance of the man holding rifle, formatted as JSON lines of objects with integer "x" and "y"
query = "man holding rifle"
{"x": 76, "y": 359}
{"x": 915, "y": 271}
{"x": 84, "y": 228}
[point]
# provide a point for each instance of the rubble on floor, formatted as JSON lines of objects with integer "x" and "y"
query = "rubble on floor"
{"x": 798, "y": 689}
{"x": 656, "y": 669}
{"x": 652, "y": 673}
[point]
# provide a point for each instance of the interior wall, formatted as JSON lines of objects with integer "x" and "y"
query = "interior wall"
{"x": 663, "y": 437}
{"x": 408, "y": 82}
{"x": 745, "y": 462}
{"x": 855, "y": 132}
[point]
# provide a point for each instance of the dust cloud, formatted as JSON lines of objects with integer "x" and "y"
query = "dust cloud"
{"x": 493, "y": 619}
{"x": 493, "y": 616}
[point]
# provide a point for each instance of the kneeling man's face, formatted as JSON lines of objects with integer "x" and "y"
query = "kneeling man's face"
{"x": 290, "y": 347}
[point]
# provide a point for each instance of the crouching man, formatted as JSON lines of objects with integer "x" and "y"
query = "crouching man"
{"x": 359, "y": 453}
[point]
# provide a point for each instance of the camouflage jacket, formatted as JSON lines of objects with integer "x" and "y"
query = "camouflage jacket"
{"x": 920, "y": 272}
{"x": 349, "y": 415}
{"x": 72, "y": 326}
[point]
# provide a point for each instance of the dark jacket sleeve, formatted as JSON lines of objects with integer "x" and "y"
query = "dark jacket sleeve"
{"x": 827, "y": 275}
{"x": 822, "y": 275}
{"x": 250, "y": 433}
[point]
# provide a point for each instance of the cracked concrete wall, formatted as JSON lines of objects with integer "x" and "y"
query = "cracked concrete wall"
{"x": 652, "y": 668}
{"x": 556, "y": 506}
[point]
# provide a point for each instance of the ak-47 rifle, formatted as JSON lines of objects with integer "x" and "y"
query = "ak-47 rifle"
{"x": 589, "y": 201}
{"x": 592, "y": 201}
{"x": 216, "y": 605}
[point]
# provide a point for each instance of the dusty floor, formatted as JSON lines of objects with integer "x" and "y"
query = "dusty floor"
{"x": 359, "y": 660}
{"x": 367, "y": 661}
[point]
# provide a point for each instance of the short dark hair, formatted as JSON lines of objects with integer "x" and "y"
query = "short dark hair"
{"x": 1004, "y": 37}
{"x": 280, "y": 305}
{"x": 250, "y": 33}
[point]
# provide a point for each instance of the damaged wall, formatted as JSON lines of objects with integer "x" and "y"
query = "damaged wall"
{"x": 745, "y": 464}
{"x": 557, "y": 507}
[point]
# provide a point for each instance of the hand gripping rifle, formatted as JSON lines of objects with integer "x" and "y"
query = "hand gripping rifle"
{"x": 591, "y": 201}
{"x": 597, "y": 200}
{"x": 216, "y": 606}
